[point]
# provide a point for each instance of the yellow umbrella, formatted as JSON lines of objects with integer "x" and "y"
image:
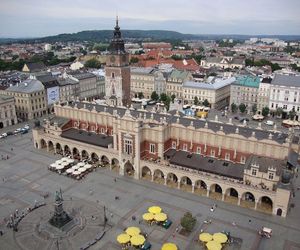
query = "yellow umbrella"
{"x": 154, "y": 209}
{"x": 220, "y": 237}
{"x": 205, "y": 237}
{"x": 160, "y": 217}
{"x": 137, "y": 240}
{"x": 123, "y": 238}
{"x": 169, "y": 246}
{"x": 213, "y": 245}
{"x": 133, "y": 231}
{"x": 148, "y": 216}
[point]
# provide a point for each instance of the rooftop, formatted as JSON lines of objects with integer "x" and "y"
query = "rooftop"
{"x": 82, "y": 76}
{"x": 185, "y": 121}
{"x": 87, "y": 137}
{"x": 247, "y": 81}
{"x": 141, "y": 70}
{"x": 285, "y": 80}
{"x": 5, "y": 98}
{"x": 219, "y": 83}
{"x": 27, "y": 86}
{"x": 206, "y": 164}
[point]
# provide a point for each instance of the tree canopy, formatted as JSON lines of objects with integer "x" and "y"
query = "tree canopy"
{"x": 188, "y": 222}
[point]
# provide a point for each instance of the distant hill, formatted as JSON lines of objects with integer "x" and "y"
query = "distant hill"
{"x": 151, "y": 35}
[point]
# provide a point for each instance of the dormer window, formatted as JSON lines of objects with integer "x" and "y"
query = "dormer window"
{"x": 254, "y": 172}
{"x": 227, "y": 156}
{"x": 174, "y": 144}
{"x": 184, "y": 147}
{"x": 112, "y": 75}
{"x": 198, "y": 150}
{"x": 243, "y": 159}
{"x": 212, "y": 153}
{"x": 271, "y": 176}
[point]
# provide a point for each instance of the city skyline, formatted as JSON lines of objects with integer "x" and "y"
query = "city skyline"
{"x": 37, "y": 19}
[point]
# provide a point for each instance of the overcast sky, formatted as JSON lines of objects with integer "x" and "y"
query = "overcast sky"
{"x": 35, "y": 18}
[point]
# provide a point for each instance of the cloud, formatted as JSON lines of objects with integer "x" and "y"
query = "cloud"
{"x": 39, "y": 18}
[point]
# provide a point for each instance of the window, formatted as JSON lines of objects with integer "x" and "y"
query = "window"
{"x": 184, "y": 148}
{"x": 271, "y": 176}
{"x": 212, "y": 153}
{"x": 254, "y": 171}
{"x": 227, "y": 156}
{"x": 174, "y": 144}
{"x": 128, "y": 146}
{"x": 152, "y": 148}
{"x": 243, "y": 159}
{"x": 198, "y": 150}
{"x": 285, "y": 106}
{"x": 112, "y": 75}
{"x": 102, "y": 130}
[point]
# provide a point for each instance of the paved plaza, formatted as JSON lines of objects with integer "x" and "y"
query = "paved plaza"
{"x": 25, "y": 180}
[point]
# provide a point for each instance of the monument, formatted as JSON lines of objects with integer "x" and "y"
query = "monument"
{"x": 60, "y": 217}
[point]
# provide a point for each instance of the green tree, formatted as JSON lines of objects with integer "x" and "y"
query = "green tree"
{"x": 176, "y": 57}
{"x": 188, "y": 222}
{"x": 163, "y": 97}
{"x": 279, "y": 111}
{"x": 206, "y": 103}
{"x": 196, "y": 100}
{"x": 233, "y": 107}
{"x": 173, "y": 98}
{"x": 242, "y": 107}
{"x": 134, "y": 60}
{"x": 93, "y": 63}
{"x": 265, "y": 111}
{"x": 292, "y": 114}
{"x": 167, "y": 102}
{"x": 254, "y": 108}
{"x": 154, "y": 96}
{"x": 140, "y": 95}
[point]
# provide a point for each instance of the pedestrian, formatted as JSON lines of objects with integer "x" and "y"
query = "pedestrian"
{"x": 249, "y": 221}
{"x": 12, "y": 149}
{"x": 1, "y": 233}
{"x": 111, "y": 215}
{"x": 115, "y": 179}
{"x": 177, "y": 229}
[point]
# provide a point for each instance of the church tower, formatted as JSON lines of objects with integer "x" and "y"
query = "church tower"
{"x": 117, "y": 71}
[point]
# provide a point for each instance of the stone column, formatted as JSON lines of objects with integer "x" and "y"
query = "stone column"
{"x": 207, "y": 192}
{"x": 152, "y": 177}
{"x": 193, "y": 188}
{"x": 255, "y": 207}
{"x": 223, "y": 196}
{"x": 239, "y": 201}
{"x": 166, "y": 180}
{"x": 178, "y": 184}
{"x": 121, "y": 169}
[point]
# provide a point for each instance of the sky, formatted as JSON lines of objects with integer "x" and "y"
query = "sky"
{"x": 37, "y": 18}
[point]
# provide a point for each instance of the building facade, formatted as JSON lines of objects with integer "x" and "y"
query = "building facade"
{"x": 285, "y": 94}
{"x": 175, "y": 81}
{"x": 239, "y": 165}
{"x": 245, "y": 90}
{"x": 117, "y": 71}
{"x": 7, "y": 111}
{"x": 30, "y": 99}
{"x": 263, "y": 96}
{"x": 216, "y": 92}
{"x": 227, "y": 62}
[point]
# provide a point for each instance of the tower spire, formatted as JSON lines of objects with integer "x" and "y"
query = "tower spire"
{"x": 117, "y": 21}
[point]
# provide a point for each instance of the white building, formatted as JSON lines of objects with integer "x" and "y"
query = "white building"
{"x": 48, "y": 47}
{"x": 285, "y": 94}
{"x": 216, "y": 92}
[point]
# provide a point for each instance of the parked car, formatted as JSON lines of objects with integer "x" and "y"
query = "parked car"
{"x": 236, "y": 118}
{"x": 24, "y": 131}
{"x": 17, "y": 131}
{"x": 244, "y": 119}
{"x": 269, "y": 123}
{"x": 10, "y": 133}
{"x": 166, "y": 224}
{"x": 3, "y": 135}
{"x": 27, "y": 126}
{"x": 265, "y": 232}
{"x": 146, "y": 246}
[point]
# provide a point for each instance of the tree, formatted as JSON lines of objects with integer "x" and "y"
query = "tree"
{"x": 265, "y": 111}
{"x": 167, "y": 102}
{"x": 93, "y": 63}
{"x": 254, "y": 108}
{"x": 163, "y": 97}
{"x": 242, "y": 107}
{"x": 292, "y": 114}
{"x": 279, "y": 111}
{"x": 206, "y": 103}
{"x": 233, "y": 107}
{"x": 188, "y": 222}
{"x": 196, "y": 100}
{"x": 140, "y": 95}
{"x": 134, "y": 60}
{"x": 154, "y": 96}
{"x": 173, "y": 97}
